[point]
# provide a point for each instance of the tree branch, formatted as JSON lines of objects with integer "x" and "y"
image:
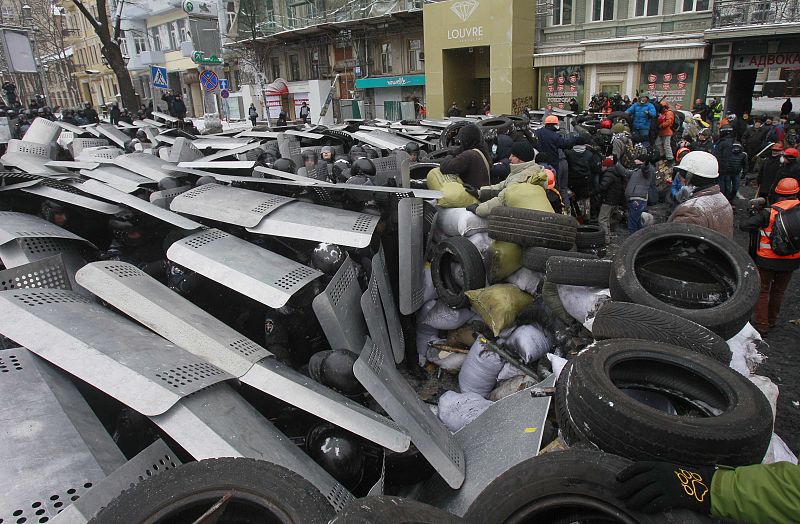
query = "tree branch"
{"x": 88, "y": 15}
{"x": 118, "y": 23}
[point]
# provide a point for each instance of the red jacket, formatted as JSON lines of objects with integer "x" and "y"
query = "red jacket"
{"x": 665, "y": 121}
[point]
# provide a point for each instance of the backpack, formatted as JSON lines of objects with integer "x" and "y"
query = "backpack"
{"x": 629, "y": 154}
{"x": 785, "y": 236}
{"x": 677, "y": 122}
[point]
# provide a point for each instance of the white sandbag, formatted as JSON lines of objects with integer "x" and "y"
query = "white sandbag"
{"x": 745, "y": 357}
{"x": 530, "y": 341}
{"x": 557, "y": 363}
{"x": 447, "y": 360}
{"x": 526, "y": 279}
{"x": 428, "y": 290}
{"x": 470, "y": 224}
{"x": 448, "y": 219}
{"x": 582, "y": 302}
{"x": 443, "y": 317}
{"x": 424, "y": 334}
{"x": 778, "y": 451}
{"x": 769, "y": 389}
{"x": 456, "y": 410}
{"x": 481, "y": 241}
{"x": 510, "y": 386}
{"x": 509, "y": 371}
{"x": 480, "y": 370}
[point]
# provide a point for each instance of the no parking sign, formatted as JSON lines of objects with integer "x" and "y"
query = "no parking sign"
{"x": 209, "y": 80}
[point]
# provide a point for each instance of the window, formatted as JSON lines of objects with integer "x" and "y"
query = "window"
{"x": 646, "y": 7}
{"x": 294, "y": 68}
{"x": 386, "y": 58}
{"x": 695, "y": 5}
{"x": 414, "y": 51}
{"x": 562, "y": 12}
{"x": 602, "y": 10}
{"x": 155, "y": 37}
{"x": 174, "y": 35}
{"x": 139, "y": 44}
{"x": 123, "y": 45}
{"x": 183, "y": 29}
{"x": 276, "y": 67}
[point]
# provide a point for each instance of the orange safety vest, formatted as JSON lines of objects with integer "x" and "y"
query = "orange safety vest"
{"x": 764, "y": 244}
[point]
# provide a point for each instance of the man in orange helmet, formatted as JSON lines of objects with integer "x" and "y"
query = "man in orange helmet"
{"x": 777, "y": 253}
{"x": 768, "y": 175}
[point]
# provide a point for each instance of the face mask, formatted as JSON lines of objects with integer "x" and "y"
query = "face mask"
{"x": 783, "y": 160}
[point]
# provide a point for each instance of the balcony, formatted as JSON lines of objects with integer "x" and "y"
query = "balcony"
{"x": 730, "y": 14}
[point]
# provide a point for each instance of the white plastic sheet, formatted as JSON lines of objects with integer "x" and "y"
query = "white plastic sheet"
{"x": 582, "y": 302}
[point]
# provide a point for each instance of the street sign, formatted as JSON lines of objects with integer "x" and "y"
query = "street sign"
{"x": 198, "y": 57}
{"x": 158, "y": 77}
{"x": 209, "y": 80}
{"x": 223, "y": 83}
{"x": 224, "y": 93}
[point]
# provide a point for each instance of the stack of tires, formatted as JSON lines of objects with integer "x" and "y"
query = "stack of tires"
{"x": 656, "y": 384}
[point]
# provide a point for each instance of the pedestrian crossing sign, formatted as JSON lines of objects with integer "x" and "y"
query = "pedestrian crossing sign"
{"x": 158, "y": 76}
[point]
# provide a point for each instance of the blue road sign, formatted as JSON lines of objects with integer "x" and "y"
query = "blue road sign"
{"x": 158, "y": 77}
{"x": 224, "y": 93}
{"x": 223, "y": 83}
{"x": 209, "y": 80}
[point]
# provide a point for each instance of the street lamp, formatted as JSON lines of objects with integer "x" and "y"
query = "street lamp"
{"x": 26, "y": 14}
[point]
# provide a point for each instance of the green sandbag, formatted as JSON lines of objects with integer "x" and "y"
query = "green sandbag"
{"x": 499, "y": 305}
{"x": 505, "y": 258}
{"x": 436, "y": 179}
{"x": 527, "y": 196}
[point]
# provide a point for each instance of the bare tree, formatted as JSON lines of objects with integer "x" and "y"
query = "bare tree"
{"x": 110, "y": 35}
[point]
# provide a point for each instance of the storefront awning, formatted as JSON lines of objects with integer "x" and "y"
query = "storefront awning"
{"x": 390, "y": 81}
{"x": 277, "y": 88}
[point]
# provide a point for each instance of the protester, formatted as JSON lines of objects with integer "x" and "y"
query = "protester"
{"x": 637, "y": 190}
{"x": 701, "y": 200}
{"x": 703, "y": 142}
{"x": 454, "y": 110}
{"x": 769, "y": 173}
{"x": 252, "y": 113}
{"x": 305, "y": 111}
{"x": 90, "y": 114}
{"x": 731, "y": 168}
{"x": 114, "y": 113}
{"x": 663, "y": 143}
{"x": 612, "y": 193}
{"x": 786, "y": 107}
{"x": 643, "y": 112}
{"x": 472, "y": 163}
{"x": 178, "y": 108}
{"x": 753, "y": 141}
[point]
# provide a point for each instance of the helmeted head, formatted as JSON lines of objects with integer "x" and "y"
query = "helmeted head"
{"x": 54, "y": 212}
{"x": 286, "y": 165}
{"x": 126, "y": 226}
{"x": 736, "y": 147}
{"x": 791, "y": 154}
{"x": 357, "y": 152}
{"x": 725, "y": 131}
{"x": 551, "y": 120}
{"x": 776, "y": 149}
{"x": 310, "y": 158}
{"x": 328, "y": 258}
{"x": 787, "y": 187}
{"x": 551, "y": 178}
{"x": 338, "y": 452}
{"x": 699, "y": 164}
{"x": 328, "y": 153}
{"x": 680, "y": 153}
{"x": 412, "y": 148}
{"x": 605, "y": 124}
{"x": 363, "y": 167}
{"x": 704, "y": 135}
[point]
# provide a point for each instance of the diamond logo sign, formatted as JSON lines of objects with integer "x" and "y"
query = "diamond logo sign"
{"x": 464, "y": 9}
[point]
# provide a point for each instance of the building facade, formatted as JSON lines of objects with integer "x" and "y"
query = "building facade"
{"x": 644, "y": 47}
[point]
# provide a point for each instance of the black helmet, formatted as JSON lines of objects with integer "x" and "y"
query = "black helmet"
{"x": 411, "y": 147}
{"x": 50, "y": 208}
{"x": 357, "y": 152}
{"x": 371, "y": 153}
{"x": 328, "y": 258}
{"x": 310, "y": 154}
{"x": 126, "y": 227}
{"x": 334, "y": 368}
{"x": 40, "y": 111}
{"x": 363, "y": 166}
{"x": 725, "y": 130}
{"x": 338, "y": 452}
{"x": 328, "y": 150}
{"x": 285, "y": 164}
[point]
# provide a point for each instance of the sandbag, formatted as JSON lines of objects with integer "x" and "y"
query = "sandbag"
{"x": 530, "y": 341}
{"x": 456, "y": 410}
{"x": 454, "y": 195}
{"x": 423, "y": 333}
{"x": 527, "y": 196}
{"x": 582, "y": 302}
{"x": 557, "y": 363}
{"x": 510, "y": 386}
{"x": 481, "y": 241}
{"x": 446, "y": 360}
{"x": 509, "y": 371}
{"x": 525, "y": 279}
{"x": 499, "y": 305}
{"x": 470, "y": 224}
{"x": 428, "y": 289}
{"x": 505, "y": 258}
{"x": 435, "y": 179}
{"x": 443, "y": 317}
{"x": 447, "y": 220}
{"x": 480, "y": 370}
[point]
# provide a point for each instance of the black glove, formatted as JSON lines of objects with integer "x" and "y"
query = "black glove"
{"x": 653, "y": 487}
{"x": 472, "y": 191}
{"x": 472, "y": 208}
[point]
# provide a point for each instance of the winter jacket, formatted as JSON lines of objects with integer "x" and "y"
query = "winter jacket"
{"x": 722, "y": 148}
{"x": 707, "y": 207}
{"x": 698, "y": 145}
{"x": 612, "y": 188}
{"x": 583, "y": 164}
{"x": 504, "y": 144}
{"x": 550, "y": 141}
{"x": 178, "y": 109}
{"x": 529, "y": 173}
{"x": 733, "y": 164}
{"x": 665, "y": 123}
{"x": 470, "y": 165}
{"x": 642, "y": 114}
{"x": 618, "y": 145}
{"x": 753, "y": 140}
{"x": 758, "y": 494}
{"x": 638, "y": 185}
{"x": 768, "y": 177}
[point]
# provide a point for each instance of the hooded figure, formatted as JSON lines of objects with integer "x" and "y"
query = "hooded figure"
{"x": 472, "y": 164}
{"x": 524, "y": 188}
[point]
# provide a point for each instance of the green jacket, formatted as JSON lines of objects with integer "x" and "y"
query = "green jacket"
{"x": 495, "y": 195}
{"x": 759, "y": 494}
{"x": 717, "y": 111}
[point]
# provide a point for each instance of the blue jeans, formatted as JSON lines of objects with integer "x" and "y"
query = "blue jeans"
{"x": 729, "y": 185}
{"x": 635, "y": 210}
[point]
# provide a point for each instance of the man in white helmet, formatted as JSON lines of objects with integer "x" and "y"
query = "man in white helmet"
{"x": 702, "y": 202}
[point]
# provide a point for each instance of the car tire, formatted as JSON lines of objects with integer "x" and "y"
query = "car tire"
{"x": 693, "y": 249}
{"x": 528, "y": 227}
{"x": 683, "y": 292}
{"x": 735, "y": 431}
{"x": 448, "y": 136}
{"x": 565, "y": 486}
{"x": 535, "y": 258}
{"x": 578, "y": 271}
{"x": 452, "y": 281}
{"x": 262, "y": 491}
{"x": 589, "y": 237}
{"x": 397, "y": 510}
{"x": 626, "y": 320}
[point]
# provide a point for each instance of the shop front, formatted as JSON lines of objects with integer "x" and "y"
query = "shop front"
{"x": 392, "y": 97}
{"x": 479, "y": 49}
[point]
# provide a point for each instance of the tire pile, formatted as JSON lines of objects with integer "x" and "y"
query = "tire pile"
{"x": 647, "y": 373}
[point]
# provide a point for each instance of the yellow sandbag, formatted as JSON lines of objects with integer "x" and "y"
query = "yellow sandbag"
{"x": 455, "y": 196}
{"x": 436, "y": 179}
{"x": 505, "y": 258}
{"x": 527, "y": 196}
{"x": 499, "y": 305}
